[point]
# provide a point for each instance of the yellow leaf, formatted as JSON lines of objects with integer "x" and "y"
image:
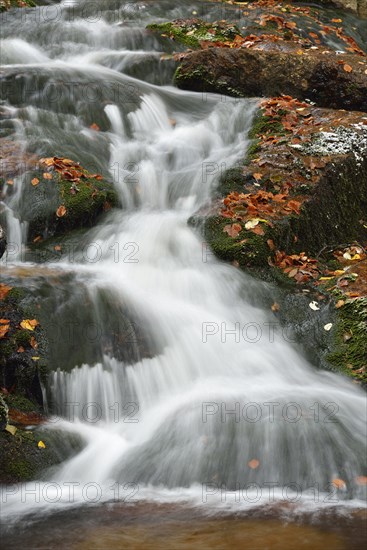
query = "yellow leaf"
{"x": 47, "y": 176}
{"x": 41, "y": 445}
{"x": 325, "y": 278}
{"x": 339, "y": 304}
{"x": 35, "y": 358}
{"x": 11, "y": 429}
{"x": 29, "y": 324}
{"x": 339, "y": 272}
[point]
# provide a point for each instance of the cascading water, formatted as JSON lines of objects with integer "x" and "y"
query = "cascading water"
{"x": 220, "y": 387}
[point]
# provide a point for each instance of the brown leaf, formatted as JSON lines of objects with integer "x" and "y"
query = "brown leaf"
{"x": 253, "y": 464}
{"x": 339, "y": 304}
{"x": 347, "y": 68}
{"x": 232, "y": 230}
{"x": 3, "y": 330}
{"x": 4, "y": 289}
{"x": 61, "y": 211}
{"x": 35, "y": 181}
{"x": 20, "y": 349}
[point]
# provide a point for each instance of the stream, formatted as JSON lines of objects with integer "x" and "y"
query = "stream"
{"x": 202, "y": 409}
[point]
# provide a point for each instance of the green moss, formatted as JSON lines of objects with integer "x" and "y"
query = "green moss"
{"x": 192, "y": 31}
{"x": 22, "y": 337}
{"x": 16, "y": 401}
{"x": 7, "y": 4}
{"x": 350, "y": 340}
{"x": 232, "y": 180}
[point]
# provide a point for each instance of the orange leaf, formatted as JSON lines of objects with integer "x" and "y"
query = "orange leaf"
{"x": 233, "y": 230}
{"x": 253, "y": 464}
{"x": 35, "y": 181}
{"x": 47, "y": 176}
{"x": 3, "y": 330}
{"x": 258, "y": 176}
{"x": 361, "y": 480}
{"x": 10, "y": 182}
{"x": 20, "y": 349}
{"x": 33, "y": 343}
{"x": 4, "y": 289}
{"x": 57, "y": 247}
{"x": 61, "y": 211}
{"x": 347, "y": 68}
{"x": 338, "y": 483}
{"x": 275, "y": 307}
{"x": 95, "y": 127}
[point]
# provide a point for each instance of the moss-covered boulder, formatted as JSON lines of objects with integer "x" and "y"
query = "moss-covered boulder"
{"x": 328, "y": 80}
{"x": 287, "y": 211}
{"x": 60, "y": 196}
{"x": 194, "y": 32}
{"x": 6, "y": 5}
{"x": 23, "y": 345}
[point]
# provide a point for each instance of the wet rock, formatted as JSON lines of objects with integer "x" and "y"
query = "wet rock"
{"x": 60, "y": 196}
{"x": 326, "y": 79}
{"x": 2, "y": 241}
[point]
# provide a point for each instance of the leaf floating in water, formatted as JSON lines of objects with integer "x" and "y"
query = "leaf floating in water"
{"x": 61, "y": 211}
{"x": 314, "y": 306}
{"x": 41, "y": 445}
{"x": 253, "y": 464}
{"x": 29, "y": 324}
{"x": 361, "y": 480}
{"x": 339, "y": 483}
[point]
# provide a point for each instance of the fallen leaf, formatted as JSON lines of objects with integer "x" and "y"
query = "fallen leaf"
{"x": 10, "y": 182}
{"x": 41, "y": 445}
{"x": 253, "y": 464}
{"x": 20, "y": 349}
{"x": 4, "y": 289}
{"x": 328, "y": 326}
{"x": 339, "y": 304}
{"x": 339, "y": 483}
{"x": 275, "y": 307}
{"x": 33, "y": 342}
{"x": 11, "y": 429}
{"x": 361, "y": 480}
{"x": 3, "y": 330}
{"x": 252, "y": 223}
{"x": 257, "y": 176}
{"x": 61, "y": 211}
{"x": 95, "y": 127}
{"x": 37, "y": 239}
{"x": 35, "y": 181}
{"x": 29, "y": 324}
{"x": 57, "y": 247}
{"x": 347, "y": 336}
{"x": 233, "y": 230}
{"x": 347, "y": 68}
{"x": 313, "y": 305}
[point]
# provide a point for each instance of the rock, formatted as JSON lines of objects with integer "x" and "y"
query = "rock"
{"x": 4, "y": 417}
{"x": 327, "y": 79}
{"x": 285, "y": 215}
{"x": 8, "y": 4}
{"x": 356, "y": 6}
{"x": 2, "y": 241}
{"x": 60, "y": 196}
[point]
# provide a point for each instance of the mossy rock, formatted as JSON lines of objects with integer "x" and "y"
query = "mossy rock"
{"x": 21, "y": 459}
{"x": 349, "y": 353}
{"x": 58, "y": 205}
{"x": 6, "y": 5}
{"x": 190, "y": 32}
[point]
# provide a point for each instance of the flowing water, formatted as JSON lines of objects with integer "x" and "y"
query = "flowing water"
{"x": 203, "y": 401}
